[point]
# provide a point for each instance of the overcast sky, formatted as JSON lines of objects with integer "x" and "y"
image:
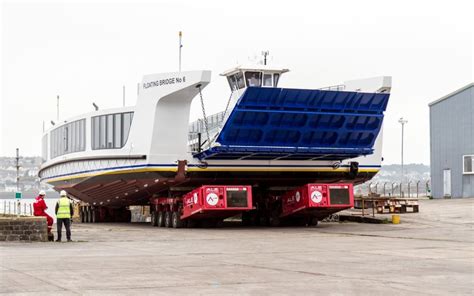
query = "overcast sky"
{"x": 85, "y": 52}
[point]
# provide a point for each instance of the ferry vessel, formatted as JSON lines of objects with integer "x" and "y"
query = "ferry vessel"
{"x": 270, "y": 138}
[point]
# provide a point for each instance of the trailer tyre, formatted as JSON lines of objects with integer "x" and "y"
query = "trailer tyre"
{"x": 176, "y": 221}
{"x": 168, "y": 219}
{"x": 154, "y": 218}
{"x": 275, "y": 220}
{"x": 313, "y": 221}
{"x": 160, "y": 219}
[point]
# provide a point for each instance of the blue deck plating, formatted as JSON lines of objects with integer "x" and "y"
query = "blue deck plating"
{"x": 271, "y": 123}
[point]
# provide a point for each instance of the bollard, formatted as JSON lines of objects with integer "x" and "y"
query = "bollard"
{"x": 395, "y": 219}
{"x": 31, "y": 211}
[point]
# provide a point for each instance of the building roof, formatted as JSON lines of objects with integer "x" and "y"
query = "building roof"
{"x": 452, "y": 94}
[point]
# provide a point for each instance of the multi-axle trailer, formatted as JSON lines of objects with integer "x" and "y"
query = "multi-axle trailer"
{"x": 210, "y": 205}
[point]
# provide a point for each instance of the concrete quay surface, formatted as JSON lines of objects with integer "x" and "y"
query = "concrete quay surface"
{"x": 429, "y": 253}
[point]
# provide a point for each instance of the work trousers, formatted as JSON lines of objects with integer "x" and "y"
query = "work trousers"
{"x": 67, "y": 225}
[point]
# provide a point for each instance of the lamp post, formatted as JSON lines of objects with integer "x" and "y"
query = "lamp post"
{"x": 402, "y": 122}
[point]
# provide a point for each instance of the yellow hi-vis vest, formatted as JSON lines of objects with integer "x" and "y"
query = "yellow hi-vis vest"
{"x": 64, "y": 210}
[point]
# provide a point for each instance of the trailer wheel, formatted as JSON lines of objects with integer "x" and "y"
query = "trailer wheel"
{"x": 160, "y": 219}
{"x": 167, "y": 219}
{"x": 191, "y": 223}
{"x": 209, "y": 223}
{"x": 87, "y": 214}
{"x": 313, "y": 221}
{"x": 81, "y": 213}
{"x": 153, "y": 220}
{"x": 176, "y": 221}
{"x": 275, "y": 220}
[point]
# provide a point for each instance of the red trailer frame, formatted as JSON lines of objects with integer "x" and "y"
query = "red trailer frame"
{"x": 314, "y": 198}
{"x": 213, "y": 203}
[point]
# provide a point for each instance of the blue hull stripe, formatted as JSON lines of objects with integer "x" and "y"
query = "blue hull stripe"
{"x": 194, "y": 165}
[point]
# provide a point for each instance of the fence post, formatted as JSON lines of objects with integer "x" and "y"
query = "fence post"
{"x": 401, "y": 191}
{"x": 409, "y": 184}
{"x": 417, "y": 188}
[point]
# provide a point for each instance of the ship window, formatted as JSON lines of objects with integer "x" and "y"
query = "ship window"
{"x": 95, "y": 132}
{"x": 232, "y": 82}
{"x": 267, "y": 79}
{"x": 276, "y": 77}
{"x": 111, "y": 131}
{"x": 102, "y": 131}
{"x": 117, "y": 130}
{"x": 236, "y": 81}
{"x": 253, "y": 78}
{"x": 66, "y": 139}
{"x": 127, "y": 122}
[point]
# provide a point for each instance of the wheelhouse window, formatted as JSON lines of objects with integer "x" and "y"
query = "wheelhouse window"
{"x": 111, "y": 131}
{"x": 236, "y": 81}
{"x": 468, "y": 164}
{"x": 267, "y": 79}
{"x": 253, "y": 79}
{"x": 276, "y": 77}
{"x": 67, "y": 138}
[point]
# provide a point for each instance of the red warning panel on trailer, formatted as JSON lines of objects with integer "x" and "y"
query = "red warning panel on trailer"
{"x": 211, "y": 198}
{"x": 318, "y": 196}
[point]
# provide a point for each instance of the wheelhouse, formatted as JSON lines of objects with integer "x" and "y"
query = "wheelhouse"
{"x": 241, "y": 77}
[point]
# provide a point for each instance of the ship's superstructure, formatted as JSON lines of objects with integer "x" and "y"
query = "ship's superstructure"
{"x": 267, "y": 137}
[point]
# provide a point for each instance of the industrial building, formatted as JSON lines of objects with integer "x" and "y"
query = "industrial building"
{"x": 452, "y": 144}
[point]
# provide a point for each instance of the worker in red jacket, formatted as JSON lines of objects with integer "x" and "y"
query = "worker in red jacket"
{"x": 40, "y": 207}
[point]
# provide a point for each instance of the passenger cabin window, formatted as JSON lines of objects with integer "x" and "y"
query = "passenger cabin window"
{"x": 267, "y": 79}
{"x": 236, "y": 81}
{"x": 111, "y": 131}
{"x": 276, "y": 77}
{"x": 66, "y": 139}
{"x": 253, "y": 78}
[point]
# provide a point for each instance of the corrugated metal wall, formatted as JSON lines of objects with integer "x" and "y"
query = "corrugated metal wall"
{"x": 451, "y": 137}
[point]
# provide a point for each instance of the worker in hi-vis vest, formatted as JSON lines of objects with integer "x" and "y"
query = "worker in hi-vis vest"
{"x": 64, "y": 213}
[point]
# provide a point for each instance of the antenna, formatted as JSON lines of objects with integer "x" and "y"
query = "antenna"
{"x": 57, "y": 108}
{"x": 95, "y": 106}
{"x": 265, "y": 54}
{"x": 180, "y": 46}
{"x": 123, "y": 93}
{"x": 52, "y": 122}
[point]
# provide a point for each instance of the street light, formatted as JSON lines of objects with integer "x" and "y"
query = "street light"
{"x": 402, "y": 122}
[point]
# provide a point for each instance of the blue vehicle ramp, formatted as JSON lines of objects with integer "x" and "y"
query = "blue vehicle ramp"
{"x": 300, "y": 124}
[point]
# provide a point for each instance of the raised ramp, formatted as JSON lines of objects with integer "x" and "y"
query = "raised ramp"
{"x": 279, "y": 123}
